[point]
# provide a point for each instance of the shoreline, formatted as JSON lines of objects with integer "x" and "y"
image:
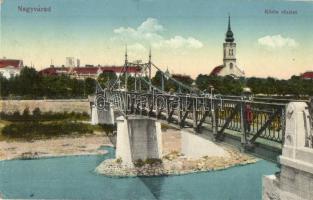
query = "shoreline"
{"x": 103, "y": 152}
{"x": 56, "y": 147}
{"x": 175, "y": 163}
{"x": 180, "y": 173}
{"x": 172, "y": 163}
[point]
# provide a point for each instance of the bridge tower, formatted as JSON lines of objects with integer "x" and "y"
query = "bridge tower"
{"x": 295, "y": 179}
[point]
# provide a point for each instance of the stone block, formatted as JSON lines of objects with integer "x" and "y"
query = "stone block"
{"x": 196, "y": 146}
{"x": 138, "y": 138}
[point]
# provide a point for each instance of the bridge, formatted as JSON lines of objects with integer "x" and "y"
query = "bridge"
{"x": 275, "y": 126}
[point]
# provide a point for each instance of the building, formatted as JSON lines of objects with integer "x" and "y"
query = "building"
{"x": 86, "y": 72}
{"x": 77, "y": 63}
{"x": 307, "y": 75}
{"x": 10, "y": 67}
{"x": 229, "y": 66}
{"x": 70, "y": 62}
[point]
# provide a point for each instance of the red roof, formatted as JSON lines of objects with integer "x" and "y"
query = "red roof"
{"x": 54, "y": 71}
{"x": 307, "y": 75}
{"x": 86, "y": 70}
{"x": 10, "y": 62}
{"x": 216, "y": 70}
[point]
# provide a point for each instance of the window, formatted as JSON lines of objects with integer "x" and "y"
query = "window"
{"x": 231, "y": 52}
{"x": 231, "y": 66}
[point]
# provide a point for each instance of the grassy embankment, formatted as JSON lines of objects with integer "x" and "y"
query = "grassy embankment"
{"x": 48, "y": 125}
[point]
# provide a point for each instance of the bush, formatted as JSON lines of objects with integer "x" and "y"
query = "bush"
{"x": 108, "y": 129}
{"x": 148, "y": 161}
{"x": 119, "y": 160}
{"x": 37, "y": 115}
{"x": 26, "y": 113}
{"x": 152, "y": 161}
{"x": 139, "y": 163}
{"x": 16, "y": 115}
{"x": 36, "y": 130}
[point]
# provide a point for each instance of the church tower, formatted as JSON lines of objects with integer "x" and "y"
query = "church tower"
{"x": 229, "y": 66}
{"x": 229, "y": 47}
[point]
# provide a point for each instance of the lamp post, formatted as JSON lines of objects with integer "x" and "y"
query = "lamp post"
{"x": 246, "y": 93}
{"x": 245, "y": 125}
{"x": 214, "y": 126}
{"x": 166, "y": 75}
{"x": 211, "y": 96}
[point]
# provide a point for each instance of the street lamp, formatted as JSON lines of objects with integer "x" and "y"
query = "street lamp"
{"x": 211, "y": 95}
{"x": 165, "y": 75}
{"x": 246, "y": 93}
{"x": 211, "y": 88}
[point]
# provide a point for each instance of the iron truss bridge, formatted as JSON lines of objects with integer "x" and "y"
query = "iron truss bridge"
{"x": 250, "y": 118}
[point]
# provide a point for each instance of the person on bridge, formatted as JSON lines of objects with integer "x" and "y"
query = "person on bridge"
{"x": 248, "y": 117}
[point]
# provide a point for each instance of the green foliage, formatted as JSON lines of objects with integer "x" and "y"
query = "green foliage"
{"x": 37, "y": 115}
{"x": 222, "y": 85}
{"x": 36, "y": 130}
{"x": 170, "y": 85}
{"x": 148, "y": 161}
{"x": 268, "y": 86}
{"x": 90, "y": 85}
{"x": 30, "y": 85}
{"x": 108, "y": 129}
{"x": 153, "y": 161}
{"x": 294, "y": 86}
{"x": 105, "y": 77}
{"x": 139, "y": 163}
{"x": 119, "y": 160}
{"x": 26, "y": 113}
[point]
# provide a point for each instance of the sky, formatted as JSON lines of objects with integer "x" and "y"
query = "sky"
{"x": 185, "y": 36}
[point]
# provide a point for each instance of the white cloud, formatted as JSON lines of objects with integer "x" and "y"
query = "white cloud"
{"x": 150, "y": 32}
{"x": 137, "y": 47}
{"x": 179, "y": 42}
{"x": 151, "y": 25}
{"x": 277, "y": 41}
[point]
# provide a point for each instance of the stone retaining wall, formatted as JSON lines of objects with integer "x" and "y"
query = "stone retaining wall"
{"x": 68, "y": 105}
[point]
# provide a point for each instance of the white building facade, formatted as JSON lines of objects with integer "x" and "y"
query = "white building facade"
{"x": 10, "y": 68}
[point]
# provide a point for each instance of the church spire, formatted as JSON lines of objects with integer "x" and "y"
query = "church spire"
{"x": 126, "y": 56}
{"x": 229, "y": 29}
{"x": 229, "y": 33}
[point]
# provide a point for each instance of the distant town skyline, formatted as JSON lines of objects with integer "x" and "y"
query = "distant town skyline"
{"x": 273, "y": 37}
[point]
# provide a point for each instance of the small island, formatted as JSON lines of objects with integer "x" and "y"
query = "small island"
{"x": 174, "y": 162}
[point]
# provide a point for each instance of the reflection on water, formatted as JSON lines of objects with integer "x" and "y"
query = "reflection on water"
{"x": 73, "y": 177}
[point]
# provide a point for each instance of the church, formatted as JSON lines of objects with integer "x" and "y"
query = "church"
{"x": 229, "y": 66}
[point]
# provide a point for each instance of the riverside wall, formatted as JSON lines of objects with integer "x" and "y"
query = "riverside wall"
{"x": 47, "y": 105}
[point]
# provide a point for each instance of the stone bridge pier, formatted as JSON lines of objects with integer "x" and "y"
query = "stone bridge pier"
{"x": 295, "y": 180}
{"x": 138, "y": 137}
{"x": 102, "y": 116}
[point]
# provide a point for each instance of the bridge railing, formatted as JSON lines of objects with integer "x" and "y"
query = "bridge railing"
{"x": 251, "y": 120}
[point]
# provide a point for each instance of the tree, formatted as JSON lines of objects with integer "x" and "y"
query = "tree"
{"x": 90, "y": 85}
{"x": 105, "y": 77}
{"x": 4, "y": 86}
{"x": 157, "y": 79}
{"x": 27, "y": 83}
{"x": 175, "y": 86}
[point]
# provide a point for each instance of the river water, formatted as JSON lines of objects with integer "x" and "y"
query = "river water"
{"x": 73, "y": 177}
